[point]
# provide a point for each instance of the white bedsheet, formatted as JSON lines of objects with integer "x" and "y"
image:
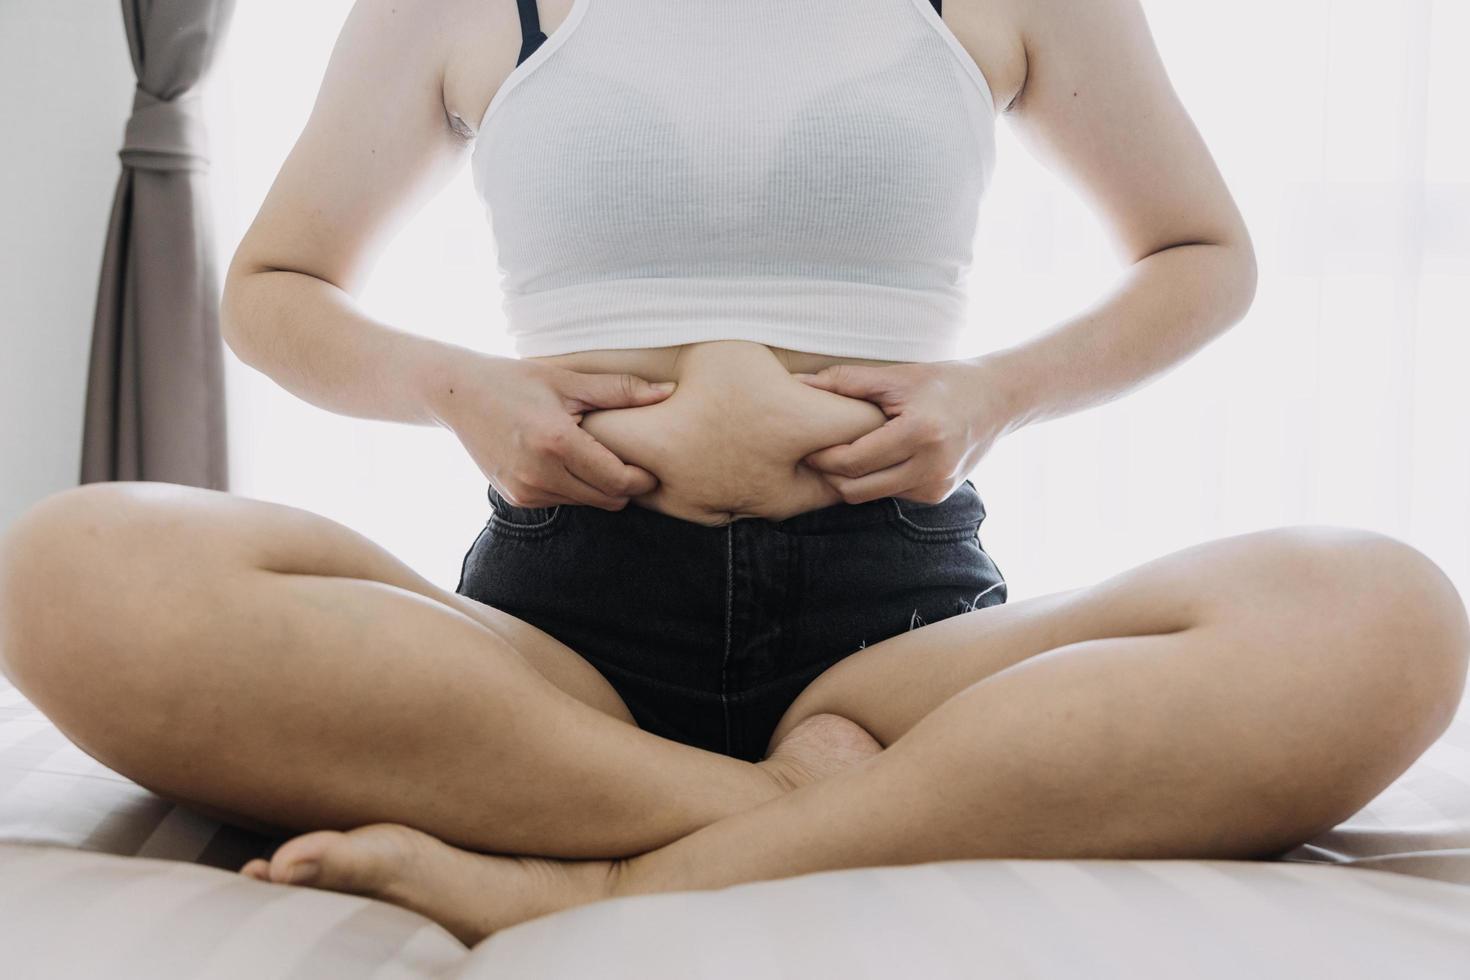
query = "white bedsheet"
{"x": 96, "y": 870}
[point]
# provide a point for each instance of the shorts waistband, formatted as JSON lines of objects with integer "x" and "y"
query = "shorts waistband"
{"x": 823, "y": 520}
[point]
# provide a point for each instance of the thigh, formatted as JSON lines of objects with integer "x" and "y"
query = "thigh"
{"x": 143, "y": 538}
{"x": 1252, "y": 584}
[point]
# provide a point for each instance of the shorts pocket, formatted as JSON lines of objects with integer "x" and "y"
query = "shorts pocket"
{"x": 955, "y": 518}
{"x": 509, "y": 520}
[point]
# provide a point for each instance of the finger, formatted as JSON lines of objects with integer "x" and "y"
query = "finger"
{"x": 566, "y": 489}
{"x": 601, "y": 473}
{"x": 580, "y": 492}
{"x": 888, "y": 445}
{"x": 533, "y": 497}
{"x": 894, "y": 481}
{"x": 934, "y": 493}
{"x": 591, "y": 391}
{"x": 853, "y": 380}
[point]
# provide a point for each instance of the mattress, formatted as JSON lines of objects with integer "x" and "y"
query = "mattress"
{"x": 100, "y": 877}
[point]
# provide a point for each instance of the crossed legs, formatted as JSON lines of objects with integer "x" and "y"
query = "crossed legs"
{"x": 276, "y": 669}
{"x": 1230, "y": 699}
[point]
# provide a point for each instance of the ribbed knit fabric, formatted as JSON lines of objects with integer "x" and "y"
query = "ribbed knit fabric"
{"x": 801, "y": 173}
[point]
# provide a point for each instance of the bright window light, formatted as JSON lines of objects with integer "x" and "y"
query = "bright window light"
{"x": 1340, "y": 399}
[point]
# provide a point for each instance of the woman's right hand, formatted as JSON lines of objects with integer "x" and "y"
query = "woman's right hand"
{"x": 520, "y": 420}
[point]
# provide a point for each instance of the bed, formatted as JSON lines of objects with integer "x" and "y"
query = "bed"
{"x": 100, "y": 878}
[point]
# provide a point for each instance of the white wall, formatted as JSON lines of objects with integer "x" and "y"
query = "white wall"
{"x": 65, "y": 92}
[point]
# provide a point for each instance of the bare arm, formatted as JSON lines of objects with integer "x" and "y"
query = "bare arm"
{"x": 1098, "y": 109}
{"x": 377, "y": 145}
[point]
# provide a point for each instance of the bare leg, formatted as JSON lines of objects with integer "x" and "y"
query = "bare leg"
{"x": 1267, "y": 686}
{"x": 274, "y": 667}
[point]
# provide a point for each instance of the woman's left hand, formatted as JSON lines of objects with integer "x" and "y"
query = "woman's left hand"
{"x": 943, "y": 416}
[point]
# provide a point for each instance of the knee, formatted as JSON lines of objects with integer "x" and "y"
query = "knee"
{"x": 52, "y": 561}
{"x": 1408, "y": 616}
{"x": 92, "y": 525}
{"x": 92, "y": 515}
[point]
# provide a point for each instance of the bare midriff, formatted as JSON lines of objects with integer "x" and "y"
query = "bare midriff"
{"x": 729, "y": 443}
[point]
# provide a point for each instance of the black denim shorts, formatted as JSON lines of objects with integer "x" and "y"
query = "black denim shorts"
{"x": 710, "y": 633}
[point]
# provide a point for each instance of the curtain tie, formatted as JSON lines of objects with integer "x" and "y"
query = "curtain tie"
{"x": 165, "y": 134}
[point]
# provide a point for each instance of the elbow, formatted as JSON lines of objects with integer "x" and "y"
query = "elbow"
{"x": 1235, "y": 258}
{"x": 1243, "y": 277}
{"x": 1227, "y": 279}
{"x": 234, "y": 315}
{"x": 1217, "y": 272}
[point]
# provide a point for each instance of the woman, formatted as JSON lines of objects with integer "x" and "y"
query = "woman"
{"x": 791, "y": 653}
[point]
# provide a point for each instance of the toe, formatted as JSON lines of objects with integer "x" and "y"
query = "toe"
{"x": 364, "y": 861}
{"x": 299, "y": 860}
{"x": 257, "y": 868}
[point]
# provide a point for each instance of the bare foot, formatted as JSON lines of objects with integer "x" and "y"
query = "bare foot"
{"x": 473, "y": 894}
{"x": 821, "y": 746}
{"x": 470, "y": 894}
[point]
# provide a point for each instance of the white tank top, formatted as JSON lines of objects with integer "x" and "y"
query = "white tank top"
{"x": 800, "y": 173}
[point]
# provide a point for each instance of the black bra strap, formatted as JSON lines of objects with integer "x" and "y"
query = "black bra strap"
{"x": 531, "y": 36}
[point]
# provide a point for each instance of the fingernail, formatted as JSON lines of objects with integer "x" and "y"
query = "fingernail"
{"x": 665, "y": 385}
{"x": 302, "y": 872}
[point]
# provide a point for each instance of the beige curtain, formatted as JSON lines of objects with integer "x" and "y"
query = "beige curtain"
{"x": 155, "y": 389}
